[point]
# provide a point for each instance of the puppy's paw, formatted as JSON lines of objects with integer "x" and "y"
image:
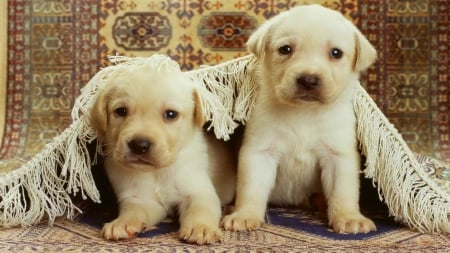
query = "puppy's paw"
{"x": 200, "y": 234}
{"x": 352, "y": 224}
{"x": 122, "y": 229}
{"x": 241, "y": 222}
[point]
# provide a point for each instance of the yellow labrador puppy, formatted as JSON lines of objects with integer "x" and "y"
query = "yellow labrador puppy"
{"x": 158, "y": 158}
{"x": 301, "y": 135}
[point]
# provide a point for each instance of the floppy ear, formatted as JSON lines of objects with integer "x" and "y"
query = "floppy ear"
{"x": 257, "y": 42}
{"x": 199, "y": 117}
{"x": 99, "y": 115}
{"x": 365, "y": 53}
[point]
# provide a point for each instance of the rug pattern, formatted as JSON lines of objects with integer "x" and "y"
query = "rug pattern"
{"x": 55, "y": 47}
{"x": 410, "y": 80}
{"x": 52, "y": 53}
{"x": 287, "y": 229}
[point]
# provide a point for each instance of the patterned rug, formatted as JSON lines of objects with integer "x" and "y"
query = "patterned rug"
{"x": 55, "y": 47}
{"x": 288, "y": 229}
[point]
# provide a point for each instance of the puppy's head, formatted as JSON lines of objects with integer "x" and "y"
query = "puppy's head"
{"x": 145, "y": 117}
{"x": 310, "y": 54}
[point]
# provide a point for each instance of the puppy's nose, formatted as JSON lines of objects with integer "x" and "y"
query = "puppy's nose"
{"x": 308, "y": 82}
{"x": 139, "y": 146}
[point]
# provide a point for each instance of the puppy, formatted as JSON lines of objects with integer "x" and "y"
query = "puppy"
{"x": 158, "y": 158}
{"x": 300, "y": 138}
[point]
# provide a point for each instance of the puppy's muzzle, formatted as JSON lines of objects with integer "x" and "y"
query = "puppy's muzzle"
{"x": 308, "y": 82}
{"x": 308, "y": 87}
{"x": 139, "y": 146}
{"x": 144, "y": 152}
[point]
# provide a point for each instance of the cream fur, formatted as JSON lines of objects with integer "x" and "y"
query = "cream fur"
{"x": 179, "y": 171}
{"x": 301, "y": 138}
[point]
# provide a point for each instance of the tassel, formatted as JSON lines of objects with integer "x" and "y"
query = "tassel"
{"x": 412, "y": 196}
{"x": 37, "y": 189}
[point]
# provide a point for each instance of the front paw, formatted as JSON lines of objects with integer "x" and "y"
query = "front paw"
{"x": 122, "y": 228}
{"x": 352, "y": 223}
{"x": 200, "y": 234}
{"x": 239, "y": 221}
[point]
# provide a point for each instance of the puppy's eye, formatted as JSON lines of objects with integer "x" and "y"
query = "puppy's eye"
{"x": 285, "y": 50}
{"x": 121, "y": 112}
{"x": 170, "y": 115}
{"x": 336, "y": 53}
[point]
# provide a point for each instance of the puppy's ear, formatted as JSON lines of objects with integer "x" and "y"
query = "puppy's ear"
{"x": 199, "y": 117}
{"x": 257, "y": 42}
{"x": 365, "y": 53}
{"x": 99, "y": 115}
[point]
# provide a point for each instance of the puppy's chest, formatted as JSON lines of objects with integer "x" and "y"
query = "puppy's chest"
{"x": 300, "y": 141}
{"x": 298, "y": 170}
{"x": 299, "y": 155}
{"x": 305, "y": 137}
{"x": 166, "y": 193}
{"x": 159, "y": 187}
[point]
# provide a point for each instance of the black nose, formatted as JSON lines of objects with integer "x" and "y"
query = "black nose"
{"x": 308, "y": 82}
{"x": 139, "y": 146}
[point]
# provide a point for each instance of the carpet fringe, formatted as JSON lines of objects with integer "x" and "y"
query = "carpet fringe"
{"x": 43, "y": 185}
{"x": 412, "y": 197}
{"x": 233, "y": 86}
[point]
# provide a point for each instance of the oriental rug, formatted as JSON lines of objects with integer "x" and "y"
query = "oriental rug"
{"x": 55, "y": 47}
{"x": 288, "y": 229}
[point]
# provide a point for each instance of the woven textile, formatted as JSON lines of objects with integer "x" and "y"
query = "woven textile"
{"x": 55, "y": 47}
{"x": 288, "y": 231}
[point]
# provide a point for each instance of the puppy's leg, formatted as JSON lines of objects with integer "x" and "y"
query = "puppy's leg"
{"x": 200, "y": 216}
{"x": 340, "y": 179}
{"x": 134, "y": 217}
{"x": 256, "y": 178}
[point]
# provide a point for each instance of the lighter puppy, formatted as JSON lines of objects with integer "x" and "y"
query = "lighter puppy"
{"x": 301, "y": 135}
{"x": 158, "y": 158}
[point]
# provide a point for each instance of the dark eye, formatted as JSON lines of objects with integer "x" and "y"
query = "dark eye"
{"x": 121, "y": 112}
{"x": 170, "y": 115}
{"x": 285, "y": 50}
{"x": 336, "y": 53}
